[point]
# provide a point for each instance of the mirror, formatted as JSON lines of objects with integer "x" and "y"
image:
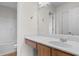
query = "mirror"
{"x": 58, "y": 18}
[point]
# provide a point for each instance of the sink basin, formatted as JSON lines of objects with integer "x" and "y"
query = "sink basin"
{"x": 58, "y": 43}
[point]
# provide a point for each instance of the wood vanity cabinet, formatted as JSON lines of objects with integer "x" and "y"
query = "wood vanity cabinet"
{"x": 53, "y": 52}
{"x": 47, "y": 51}
{"x": 43, "y": 50}
{"x": 56, "y": 52}
{"x": 31, "y": 43}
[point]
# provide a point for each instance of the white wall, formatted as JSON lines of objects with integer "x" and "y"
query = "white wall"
{"x": 8, "y": 21}
{"x": 66, "y": 15}
{"x": 26, "y": 26}
{"x": 44, "y": 19}
{"x": 74, "y": 21}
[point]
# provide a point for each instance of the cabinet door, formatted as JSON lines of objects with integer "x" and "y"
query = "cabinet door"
{"x": 61, "y": 53}
{"x": 56, "y": 52}
{"x": 53, "y": 52}
{"x": 43, "y": 50}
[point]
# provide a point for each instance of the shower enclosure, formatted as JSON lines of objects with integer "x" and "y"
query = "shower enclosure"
{"x": 8, "y": 27}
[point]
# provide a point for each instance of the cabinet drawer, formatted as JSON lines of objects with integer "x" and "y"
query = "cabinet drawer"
{"x": 30, "y": 43}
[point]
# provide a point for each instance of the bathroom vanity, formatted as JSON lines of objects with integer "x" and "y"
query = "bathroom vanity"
{"x": 59, "y": 18}
{"x": 44, "y": 48}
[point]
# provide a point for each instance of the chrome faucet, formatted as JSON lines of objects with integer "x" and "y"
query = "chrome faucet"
{"x": 63, "y": 39}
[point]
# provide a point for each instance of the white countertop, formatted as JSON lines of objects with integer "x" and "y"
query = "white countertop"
{"x": 45, "y": 40}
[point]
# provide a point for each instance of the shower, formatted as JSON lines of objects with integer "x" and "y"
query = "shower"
{"x": 8, "y": 28}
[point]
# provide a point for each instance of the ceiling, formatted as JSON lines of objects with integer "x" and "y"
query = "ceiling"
{"x": 9, "y": 4}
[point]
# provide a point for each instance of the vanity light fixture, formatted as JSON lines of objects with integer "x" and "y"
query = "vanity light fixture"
{"x": 43, "y": 4}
